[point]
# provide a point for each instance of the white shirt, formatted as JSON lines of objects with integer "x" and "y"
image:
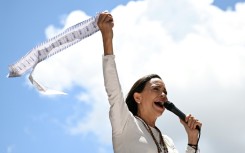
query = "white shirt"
{"x": 129, "y": 134}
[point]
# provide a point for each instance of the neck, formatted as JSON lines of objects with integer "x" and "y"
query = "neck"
{"x": 149, "y": 120}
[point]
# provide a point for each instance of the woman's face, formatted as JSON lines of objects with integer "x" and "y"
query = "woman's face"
{"x": 152, "y": 98}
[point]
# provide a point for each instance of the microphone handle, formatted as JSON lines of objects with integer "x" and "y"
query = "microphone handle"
{"x": 179, "y": 113}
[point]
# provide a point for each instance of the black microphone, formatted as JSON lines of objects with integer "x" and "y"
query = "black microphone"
{"x": 171, "y": 107}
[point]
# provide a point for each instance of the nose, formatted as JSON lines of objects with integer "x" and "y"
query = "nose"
{"x": 164, "y": 96}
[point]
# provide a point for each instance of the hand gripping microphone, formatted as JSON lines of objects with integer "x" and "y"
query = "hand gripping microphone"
{"x": 171, "y": 107}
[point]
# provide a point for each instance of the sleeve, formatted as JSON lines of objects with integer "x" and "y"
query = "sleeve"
{"x": 119, "y": 112}
{"x": 191, "y": 150}
{"x": 170, "y": 144}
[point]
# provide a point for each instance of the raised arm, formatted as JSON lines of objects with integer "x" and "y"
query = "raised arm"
{"x": 119, "y": 112}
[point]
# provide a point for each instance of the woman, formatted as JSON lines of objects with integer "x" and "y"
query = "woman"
{"x": 133, "y": 122}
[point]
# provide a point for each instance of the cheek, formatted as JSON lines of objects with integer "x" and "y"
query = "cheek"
{"x": 149, "y": 100}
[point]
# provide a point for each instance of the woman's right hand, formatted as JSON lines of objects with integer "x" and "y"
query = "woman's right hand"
{"x": 191, "y": 130}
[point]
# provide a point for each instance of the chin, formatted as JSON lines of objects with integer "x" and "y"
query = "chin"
{"x": 159, "y": 113}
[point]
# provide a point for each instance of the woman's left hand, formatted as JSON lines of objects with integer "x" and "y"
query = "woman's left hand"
{"x": 190, "y": 127}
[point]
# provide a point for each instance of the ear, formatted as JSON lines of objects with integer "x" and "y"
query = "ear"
{"x": 137, "y": 97}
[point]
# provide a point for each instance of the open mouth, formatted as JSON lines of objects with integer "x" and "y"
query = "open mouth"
{"x": 159, "y": 104}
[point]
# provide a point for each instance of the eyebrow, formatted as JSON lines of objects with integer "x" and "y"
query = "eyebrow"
{"x": 157, "y": 84}
{"x": 161, "y": 86}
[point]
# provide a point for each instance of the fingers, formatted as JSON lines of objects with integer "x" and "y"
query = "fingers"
{"x": 102, "y": 17}
{"x": 192, "y": 122}
{"x": 104, "y": 20}
{"x": 106, "y": 17}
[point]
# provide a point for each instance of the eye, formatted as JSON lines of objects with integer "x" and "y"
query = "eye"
{"x": 156, "y": 89}
{"x": 160, "y": 90}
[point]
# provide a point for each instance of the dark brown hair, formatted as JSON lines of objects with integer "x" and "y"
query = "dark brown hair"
{"x": 138, "y": 87}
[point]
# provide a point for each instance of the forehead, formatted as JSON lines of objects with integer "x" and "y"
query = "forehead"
{"x": 156, "y": 82}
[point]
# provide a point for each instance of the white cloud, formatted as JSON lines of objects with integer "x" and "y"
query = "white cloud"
{"x": 197, "y": 48}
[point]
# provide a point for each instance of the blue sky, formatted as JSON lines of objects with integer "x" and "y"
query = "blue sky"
{"x": 34, "y": 123}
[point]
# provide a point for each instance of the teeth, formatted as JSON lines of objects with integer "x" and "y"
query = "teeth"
{"x": 159, "y": 103}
